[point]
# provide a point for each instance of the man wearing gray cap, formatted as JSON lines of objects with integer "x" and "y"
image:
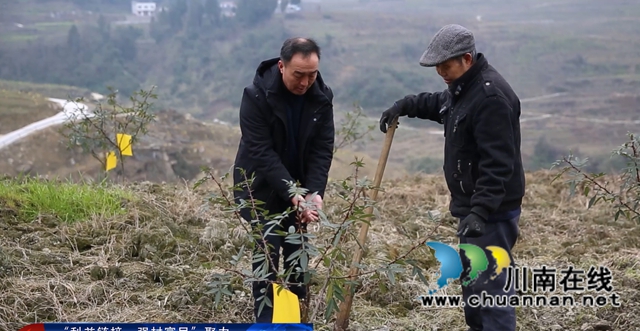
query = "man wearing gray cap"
{"x": 482, "y": 162}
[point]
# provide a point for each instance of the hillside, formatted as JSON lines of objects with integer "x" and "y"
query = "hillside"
{"x": 19, "y": 109}
{"x": 147, "y": 252}
{"x": 571, "y": 73}
{"x": 23, "y": 103}
{"x": 178, "y": 144}
{"x": 174, "y": 149}
{"x": 147, "y": 249}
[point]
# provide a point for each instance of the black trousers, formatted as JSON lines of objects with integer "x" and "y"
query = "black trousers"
{"x": 274, "y": 243}
{"x": 505, "y": 235}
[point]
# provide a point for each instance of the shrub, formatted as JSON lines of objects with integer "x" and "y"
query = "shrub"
{"x": 622, "y": 191}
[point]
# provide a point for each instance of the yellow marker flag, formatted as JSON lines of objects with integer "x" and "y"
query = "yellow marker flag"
{"x": 286, "y": 307}
{"x": 124, "y": 143}
{"x": 112, "y": 160}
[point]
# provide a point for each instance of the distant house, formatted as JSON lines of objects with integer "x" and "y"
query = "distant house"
{"x": 143, "y": 8}
{"x": 292, "y": 9}
{"x": 228, "y": 8}
{"x": 295, "y": 9}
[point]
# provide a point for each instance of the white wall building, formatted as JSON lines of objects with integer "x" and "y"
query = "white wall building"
{"x": 143, "y": 8}
{"x": 228, "y": 8}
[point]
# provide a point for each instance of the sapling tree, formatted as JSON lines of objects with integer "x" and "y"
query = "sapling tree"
{"x": 96, "y": 131}
{"x": 351, "y": 129}
{"x": 622, "y": 191}
{"x": 325, "y": 252}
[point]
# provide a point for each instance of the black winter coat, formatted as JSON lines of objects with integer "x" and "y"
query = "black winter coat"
{"x": 482, "y": 161}
{"x": 263, "y": 145}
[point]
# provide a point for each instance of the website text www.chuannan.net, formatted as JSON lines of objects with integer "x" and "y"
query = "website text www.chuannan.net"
{"x": 486, "y": 300}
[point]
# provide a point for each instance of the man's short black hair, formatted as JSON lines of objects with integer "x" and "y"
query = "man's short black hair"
{"x": 292, "y": 46}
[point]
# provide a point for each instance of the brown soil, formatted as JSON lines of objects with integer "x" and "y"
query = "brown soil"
{"x": 154, "y": 264}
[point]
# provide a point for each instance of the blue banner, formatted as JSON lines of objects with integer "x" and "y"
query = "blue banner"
{"x": 166, "y": 327}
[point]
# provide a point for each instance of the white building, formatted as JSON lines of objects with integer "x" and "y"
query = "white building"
{"x": 228, "y": 8}
{"x": 291, "y": 9}
{"x": 143, "y": 8}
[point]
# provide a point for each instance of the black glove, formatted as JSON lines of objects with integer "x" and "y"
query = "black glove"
{"x": 390, "y": 114}
{"x": 472, "y": 226}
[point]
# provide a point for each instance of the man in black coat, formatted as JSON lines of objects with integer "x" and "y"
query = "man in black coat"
{"x": 286, "y": 119}
{"x": 482, "y": 161}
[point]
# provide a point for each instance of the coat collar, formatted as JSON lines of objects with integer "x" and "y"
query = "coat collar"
{"x": 460, "y": 85}
{"x": 269, "y": 79}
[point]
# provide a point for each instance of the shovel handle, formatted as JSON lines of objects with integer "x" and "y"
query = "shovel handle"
{"x": 342, "y": 321}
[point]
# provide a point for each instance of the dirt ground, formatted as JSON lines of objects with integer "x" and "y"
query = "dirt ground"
{"x": 153, "y": 264}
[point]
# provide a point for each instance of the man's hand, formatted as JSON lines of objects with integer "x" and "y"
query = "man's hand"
{"x": 296, "y": 201}
{"x": 388, "y": 116}
{"x": 308, "y": 213}
{"x": 472, "y": 226}
{"x": 317, "y": 200}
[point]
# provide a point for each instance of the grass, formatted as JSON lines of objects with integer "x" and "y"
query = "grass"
{"x": 40, "y": 32}
{"x": 374, "y": 53}
{"x": 186, "y": 143}
{"x": 65, "y": 25}
{"x": 40, "y": 26}
{"x": 49, "y": 90}
{"x": 153, "y": 261}
{"x": 18, "y": 109}
{"x": 18, "y": 37}
{"x": 371, "y": 44}
{"x": 30, "y": 199}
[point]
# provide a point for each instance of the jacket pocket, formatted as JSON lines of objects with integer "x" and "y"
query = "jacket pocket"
{"x": 457, "y": 133}
{"x": 463, "y": 176}
{"x": 469, "y": 182}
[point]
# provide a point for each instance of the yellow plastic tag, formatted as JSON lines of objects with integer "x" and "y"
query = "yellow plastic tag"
{"x": 112, "y": 161}
{"x": 286, "y": 307}
{"x": 124, "y": 143}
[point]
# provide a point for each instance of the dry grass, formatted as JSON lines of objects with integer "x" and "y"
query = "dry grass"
{"x": 175, "y": 148}
{"x": 154, "y": 262}
{"x": 20, "y": 108}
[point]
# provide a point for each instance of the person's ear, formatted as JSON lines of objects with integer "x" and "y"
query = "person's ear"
{"x": 468, "y": 59}
{"x": 280, "y": 66}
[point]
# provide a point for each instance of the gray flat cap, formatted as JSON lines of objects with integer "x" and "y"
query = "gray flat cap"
{"x": 451, "y": 41}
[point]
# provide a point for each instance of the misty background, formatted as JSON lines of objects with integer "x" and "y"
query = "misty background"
{"x": 574, "y": 64}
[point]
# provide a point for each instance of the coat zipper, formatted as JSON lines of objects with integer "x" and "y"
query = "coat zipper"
{"x": 455, "y": 127}
{"x": 471, "y": 176}
{"x": 460, "y": 171}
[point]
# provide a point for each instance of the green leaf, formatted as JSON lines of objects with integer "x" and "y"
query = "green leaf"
{"x": 332, "y": 307}
{"x": 383, "y": 288}
{"x": 337, "y": 292}
{"x": 225, "y": 290}
{"x": 304, "y": 261}
{"x": 392, "y": 277}
{"x": 418, "y": 271}
{"x": 572, "y": 189}
{"x": 294, "y": 255}
{"x": 326, "y": 261}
